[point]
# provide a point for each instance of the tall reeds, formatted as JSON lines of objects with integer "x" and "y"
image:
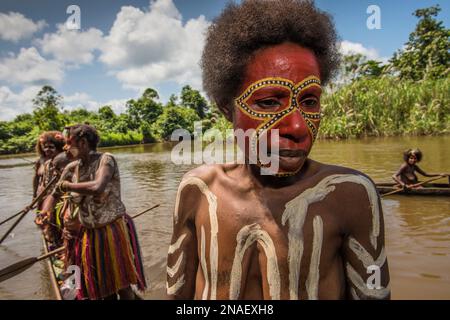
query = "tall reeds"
{"x": 386, "y": 107}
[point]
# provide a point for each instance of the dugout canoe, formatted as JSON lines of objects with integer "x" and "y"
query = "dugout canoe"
{"x": 430, "y": 189}
{"x": 53, "y": 271}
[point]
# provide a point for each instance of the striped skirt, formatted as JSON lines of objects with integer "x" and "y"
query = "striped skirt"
{"x": 110, "y": 259}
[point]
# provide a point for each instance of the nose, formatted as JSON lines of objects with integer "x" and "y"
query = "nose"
{"x": 293, "y": 127}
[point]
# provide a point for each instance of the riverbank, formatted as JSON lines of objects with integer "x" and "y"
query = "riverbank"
{"x": 367, "y": 107}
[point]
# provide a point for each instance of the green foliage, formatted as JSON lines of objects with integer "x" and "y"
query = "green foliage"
{"x": 192, "y": 99}
{"x": 427, "y": 52}
{"x": 174, "y": 118}
{"x": 408, "y": 96}
{"x": 145, "y": 109}
{"x": 46, "y": 114}
{"x": 109, "y": 139}
{"x": 386, "y": 106}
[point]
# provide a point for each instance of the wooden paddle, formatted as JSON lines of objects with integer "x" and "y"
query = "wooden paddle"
{"x": 27, "y": 209}
{"x": 417, "y": 184}
{"x": 21, "y": 266}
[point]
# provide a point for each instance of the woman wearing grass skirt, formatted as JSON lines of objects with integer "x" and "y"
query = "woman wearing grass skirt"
{"x": 106, "y": 248}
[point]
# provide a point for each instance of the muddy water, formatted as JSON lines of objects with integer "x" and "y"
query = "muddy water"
{"x": 417, "y": 228}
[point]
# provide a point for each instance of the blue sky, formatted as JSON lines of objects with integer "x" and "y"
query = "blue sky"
{"x": 125, "y": 46}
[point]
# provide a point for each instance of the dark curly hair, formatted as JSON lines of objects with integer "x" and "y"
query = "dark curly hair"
{"x": 242, "y": 29}
{"x": 54, "y": 137}
{"x": 83, "y": 131}
{"x": 415, "y": 152}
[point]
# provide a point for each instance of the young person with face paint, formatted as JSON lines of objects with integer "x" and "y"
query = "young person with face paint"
{"x": 406, "y": 175}
{"x": 106, "y": 248}
{"x": 308, "y": 230}
{"x": 49, "y": 144}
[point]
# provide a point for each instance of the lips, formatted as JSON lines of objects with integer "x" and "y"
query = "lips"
{"x": 291, "y": 153}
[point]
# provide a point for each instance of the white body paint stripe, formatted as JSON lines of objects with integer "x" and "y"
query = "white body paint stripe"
{"x": 171, "y": 271}
{"x": 245, "y": 238}
{"x": 214, "y": 247}
{"x": 296, "y": 210}
{"x": 203, "y": 264}
{"x": 176, "y": 287}
{"x": 312, "y": 283}
{"x": 364, "y": 256}
{"x": 174, "y": 247}
{"x": 359, "y": 283}
{"x": 354, "y": 294}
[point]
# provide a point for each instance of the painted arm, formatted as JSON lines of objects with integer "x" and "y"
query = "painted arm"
{"x": 103, "y": 175}
{"x": 182, "y": 259}
{"x": 365, "y": 262}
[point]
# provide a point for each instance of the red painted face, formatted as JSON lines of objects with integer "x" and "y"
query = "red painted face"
{"x": 281, "y": 90}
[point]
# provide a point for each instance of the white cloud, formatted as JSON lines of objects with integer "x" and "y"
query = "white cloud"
{"x": 15, "y": 26}
{"x": 29, "y": 67}
{"x": 348, "y": 47}
{"x": 71, "y": 46}
{"x": 13, "y": 104}
{"x": 81, "y": 99}
{"x": 145, "y": 48}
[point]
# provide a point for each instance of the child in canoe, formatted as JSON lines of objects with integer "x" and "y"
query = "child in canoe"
{"x": 406, "y": 176}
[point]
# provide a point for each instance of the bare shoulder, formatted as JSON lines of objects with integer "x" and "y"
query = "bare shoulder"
{"x": 71, "y": 166}
{"x": 195, "y": 187}
{"x": 209, "y": 174}
{"x": 356, "y": 183}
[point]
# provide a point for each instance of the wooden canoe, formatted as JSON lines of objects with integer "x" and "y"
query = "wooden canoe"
{"x": 431, "y": 189}
{"x": 53, "y": 272}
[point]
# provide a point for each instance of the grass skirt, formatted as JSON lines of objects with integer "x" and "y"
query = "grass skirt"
{"x": 110, "y": 259}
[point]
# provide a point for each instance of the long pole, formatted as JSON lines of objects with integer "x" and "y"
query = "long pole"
{"x": 418, "y": 184}
{"x": 26, "y": 210}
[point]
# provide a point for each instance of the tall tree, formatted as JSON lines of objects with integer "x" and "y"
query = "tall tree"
{"x": 427, "y": 52}
{"x": 192, "y": 99}
{"x": 145, "y": 109}
{"x": 47, "y": 113}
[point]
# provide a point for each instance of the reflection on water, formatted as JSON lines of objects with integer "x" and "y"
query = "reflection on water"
{"x": 417, "y": 228}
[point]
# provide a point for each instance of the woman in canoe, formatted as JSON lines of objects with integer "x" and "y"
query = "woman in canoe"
{"x": 106, "y": 248}
{"x": 406, "y": 176}
{"x": 49, "y": 144}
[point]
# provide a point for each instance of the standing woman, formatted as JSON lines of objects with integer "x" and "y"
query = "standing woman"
{"x": 107, "y": 248}
{"x": 48, "y": 145}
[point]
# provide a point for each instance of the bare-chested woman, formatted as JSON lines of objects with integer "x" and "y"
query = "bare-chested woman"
{"x": 48, "y": 145}
{"x": 406, "y": 175}
{"x": 310, "y": 230}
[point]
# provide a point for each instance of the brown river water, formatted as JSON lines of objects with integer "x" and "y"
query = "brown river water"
{"x": 417, "y": 227}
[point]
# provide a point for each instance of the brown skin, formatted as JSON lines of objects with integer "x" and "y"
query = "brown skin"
{"x": 245, "y": 197}
{"x": 49, "y": 152}
{"x": 406, "y": 175}
{"x": 81, "y": 149}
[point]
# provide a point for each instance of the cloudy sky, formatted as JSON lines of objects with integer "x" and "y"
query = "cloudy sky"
{"x": 124, "y": 47}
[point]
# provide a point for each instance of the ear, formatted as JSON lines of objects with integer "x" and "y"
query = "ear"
{"x": 83, "y": 143}
{"x": 227, "y": 112}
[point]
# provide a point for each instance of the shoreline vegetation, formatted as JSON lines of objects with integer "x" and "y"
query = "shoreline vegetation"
{"x": 408, "y": 95}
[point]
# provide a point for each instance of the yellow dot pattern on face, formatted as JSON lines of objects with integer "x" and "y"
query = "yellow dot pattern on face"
{"x": 270, "y": 119}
